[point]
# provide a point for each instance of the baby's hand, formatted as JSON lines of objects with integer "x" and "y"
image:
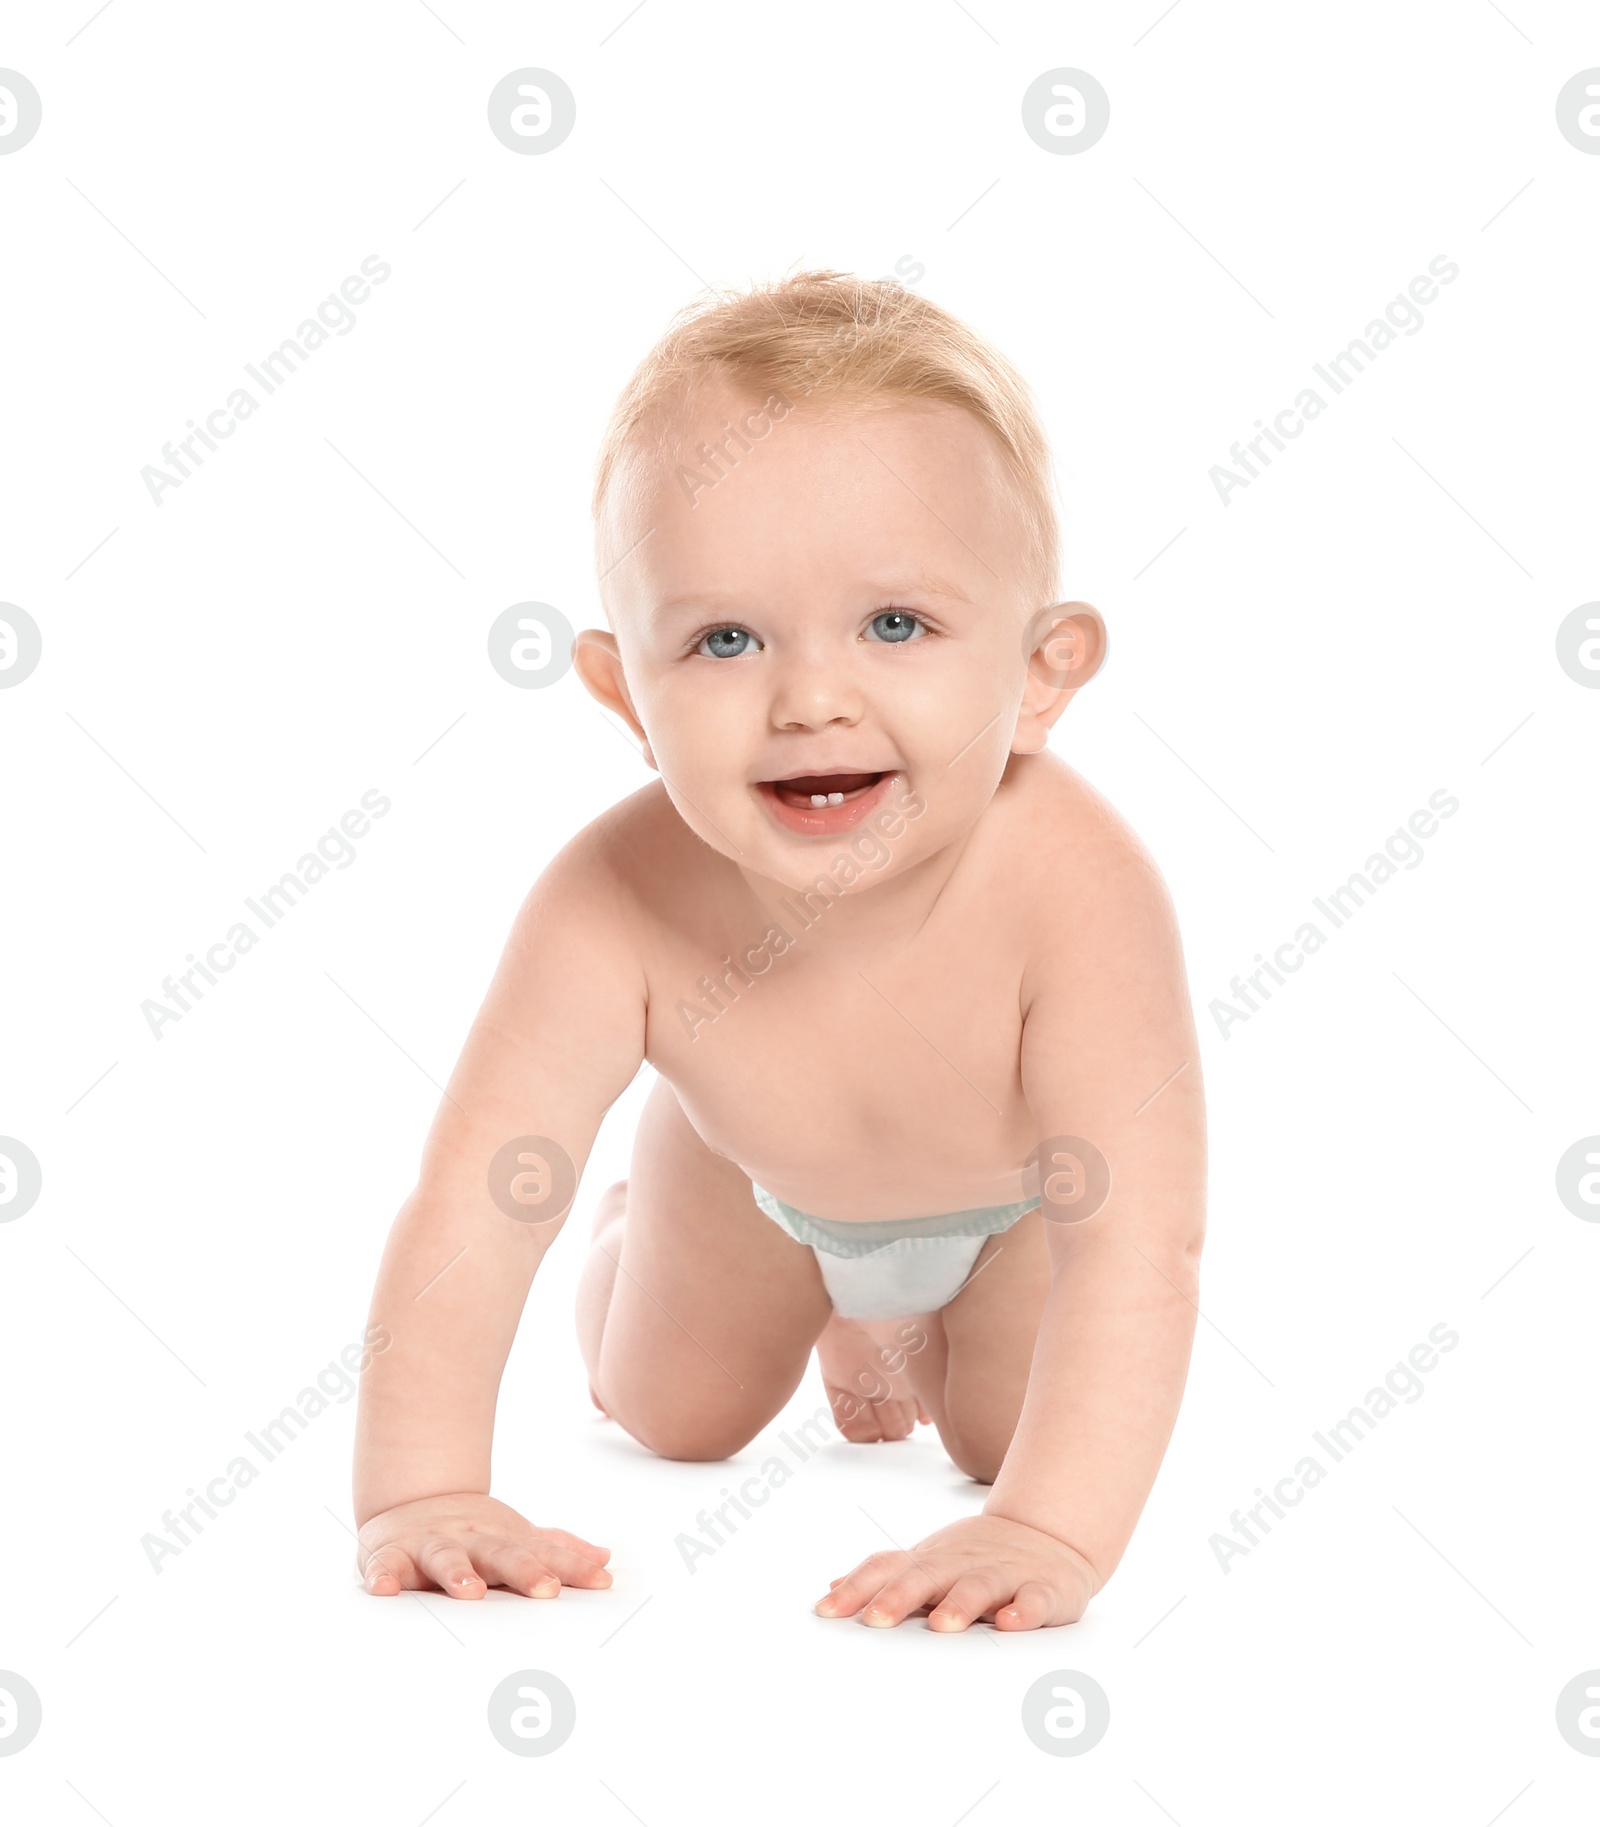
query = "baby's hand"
{"x": 979, "y": 1567}
{"x": 466, "y": 1543}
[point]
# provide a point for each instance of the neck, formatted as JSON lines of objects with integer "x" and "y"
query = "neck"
{"x": 833, "y": 913}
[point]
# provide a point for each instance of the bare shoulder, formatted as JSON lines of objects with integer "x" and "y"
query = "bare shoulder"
{"x": 619, "y": 864}
{"x": 1090, "y": 890}
{"x": 618, "y": 886}
{"x": 1066, "y": 837}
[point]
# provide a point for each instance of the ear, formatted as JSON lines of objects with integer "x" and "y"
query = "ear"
{"x": 599, "y": 665}
{"x": 1063, "y": 646}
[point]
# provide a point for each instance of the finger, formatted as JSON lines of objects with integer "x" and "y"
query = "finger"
{"x": 516, "y": 1566}
{"x": 1035, "y": 1605}
{"x": 569, "y": 1566}
{"x": 576, "y": 1543}
{"x": 967, "y": 1600}
{"x": 899, "y": 1597}
{"x": 852, "y": 1592}
{"x": 386, "y": 1570}
{"x": 449, "y": 1566}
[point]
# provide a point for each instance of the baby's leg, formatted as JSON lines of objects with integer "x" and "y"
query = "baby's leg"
{"x": 974, "y": 1373}
{"x": 696, "y": 1314}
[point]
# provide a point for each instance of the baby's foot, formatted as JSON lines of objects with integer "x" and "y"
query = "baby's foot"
{"x": 869, "y": 1401}
{"x": 612, "y": 1203}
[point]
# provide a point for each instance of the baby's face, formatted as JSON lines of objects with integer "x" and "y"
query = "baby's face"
{"x": 833, "y": 625}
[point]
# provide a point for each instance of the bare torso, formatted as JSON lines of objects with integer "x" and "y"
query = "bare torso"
{"x": 872, "y": 1068}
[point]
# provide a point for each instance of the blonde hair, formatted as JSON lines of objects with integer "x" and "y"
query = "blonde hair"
{"x": 836, "y": 337}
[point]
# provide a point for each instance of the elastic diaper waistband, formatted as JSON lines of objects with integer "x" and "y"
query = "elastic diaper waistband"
{"x": 871, "y": 1235}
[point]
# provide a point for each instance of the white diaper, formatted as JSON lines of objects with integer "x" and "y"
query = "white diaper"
{"x": 892, "y": 1268}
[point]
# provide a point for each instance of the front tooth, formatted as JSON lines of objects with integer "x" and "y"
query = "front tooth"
{"x": 835, "y": 799}
{"x": 821, "y": 799}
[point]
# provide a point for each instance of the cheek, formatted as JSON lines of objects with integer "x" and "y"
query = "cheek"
{"x": 704, "y": 729}
{"x": 965, "y": 720}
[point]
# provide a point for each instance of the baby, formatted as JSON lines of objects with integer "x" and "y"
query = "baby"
{"x": 928, "y": 1096}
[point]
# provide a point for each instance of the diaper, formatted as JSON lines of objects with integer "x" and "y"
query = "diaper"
{"x": 890, "y": 1268}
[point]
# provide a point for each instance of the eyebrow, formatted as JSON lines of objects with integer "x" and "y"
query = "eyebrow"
{"x": 937, "y": 586}
{"x": 715, "y": 601}
{"x": 712, "y": 601}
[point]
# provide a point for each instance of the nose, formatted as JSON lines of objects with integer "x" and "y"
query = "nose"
{"x": 813, "y": 691}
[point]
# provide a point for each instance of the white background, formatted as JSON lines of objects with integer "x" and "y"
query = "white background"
{"x": 1339, "y": 641}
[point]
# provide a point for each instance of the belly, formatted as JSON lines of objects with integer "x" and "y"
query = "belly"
{"x": 848, "y": 1109}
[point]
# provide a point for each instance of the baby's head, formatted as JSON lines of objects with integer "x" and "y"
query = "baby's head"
{"x": 827, "y": 548}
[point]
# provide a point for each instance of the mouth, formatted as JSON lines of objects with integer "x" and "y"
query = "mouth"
{"x": 819, "y": 805}
{"x": 813, "y": 792}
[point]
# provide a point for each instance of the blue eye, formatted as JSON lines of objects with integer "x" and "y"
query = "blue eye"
{"x": 726, "y": 643}
{"x": 895, "y": 625}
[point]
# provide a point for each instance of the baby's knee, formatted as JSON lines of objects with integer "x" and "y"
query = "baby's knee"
{"x": 980, "y": 1460}
{"x": 689, "y": 1436}
{"x": 978, "y": 1442}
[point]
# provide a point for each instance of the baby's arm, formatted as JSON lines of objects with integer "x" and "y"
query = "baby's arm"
{"x": 559, "y": 1037}
{"x": 1109, "y": 1055}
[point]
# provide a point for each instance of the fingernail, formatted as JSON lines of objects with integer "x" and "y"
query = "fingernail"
{"x": 824, "y": 1607}
{"x": 874, "y": 1616}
